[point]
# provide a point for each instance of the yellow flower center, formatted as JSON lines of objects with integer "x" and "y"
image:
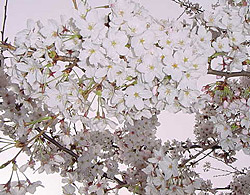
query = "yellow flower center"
{"x": 187, "y": 93}
{"x": 119, "y": 73}
{"x": 220, "y": 46}
{"x": 92, "y": 51}
{"x": 175, "y": 65}
{"x": 142, "y": 41}
{"x": 136, "y": 94}
{"x": 133, "y": 30}
{"x": 168, "y": 91}
{"x": 54, "y": 34}
{"x": 151, "y": 67}
{"x": 181, "y": 42}
{"x": 195, "y": 66}
{"x": 113, "y": 43}
{"x": 121, "y": 13}
{"x": 90, "y": 27}
{"x": 168, "y": 42}
{"x": 185, "y": 59}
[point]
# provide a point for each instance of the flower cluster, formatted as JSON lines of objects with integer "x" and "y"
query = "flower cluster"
{"x": 81, "y": 97}
{"x": 240, "y": 185}
{"x": 110, "y": 63}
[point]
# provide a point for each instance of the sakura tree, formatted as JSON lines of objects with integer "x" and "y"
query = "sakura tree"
{"x": 81, "y": 97}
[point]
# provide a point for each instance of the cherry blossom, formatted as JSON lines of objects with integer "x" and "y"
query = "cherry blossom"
{"x": 81, "y": 97}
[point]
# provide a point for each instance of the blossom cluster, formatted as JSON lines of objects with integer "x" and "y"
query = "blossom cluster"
{"x": 81, "y": 97}
{"x": 113, "y": 64}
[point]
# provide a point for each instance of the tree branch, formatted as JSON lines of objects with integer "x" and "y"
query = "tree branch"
{"x": 228, "y": 74}
{"x": 75, "y": 4}
{"x": 212, "y": 147}
{"x": 193, "y": 7}
{"x": 1, "y": 59}
{"x": 45, "y": 136}
{"x": 4, "y": 19}
{"x": 29, "y": 53}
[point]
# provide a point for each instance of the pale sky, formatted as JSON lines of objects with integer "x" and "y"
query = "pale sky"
{"x": 178, "y": 126}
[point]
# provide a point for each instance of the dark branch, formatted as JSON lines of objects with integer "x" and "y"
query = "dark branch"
{"x": 45, "y": 136}
{"x": 57, "y": 144}
{"x": 75, "y": 4}
{"x": 212, "y": 147}
{"x": 228, "y": 74}
{"x": 1, "y": 59}
{"x": 4, "y": 19}
{"x": 189, "y": 6}
{"x": 193, "y": 163}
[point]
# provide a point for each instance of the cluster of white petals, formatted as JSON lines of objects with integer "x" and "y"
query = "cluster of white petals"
{"x": 81, "y": 97}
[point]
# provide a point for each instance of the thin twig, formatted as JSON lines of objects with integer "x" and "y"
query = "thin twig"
{"x": 241, "y": 172}
{"x": 29, "y": 53}
{"x": 57, "y": 144}
{"x": 181, "y": 15}
{"x": 212, "y": 147}
{"x": 194, "y": 7}
{"x": 75, "y": 4}
{"x": 193, "y": 163}
{"x": 4, "y": 19}
{"x": 1, "y": 62}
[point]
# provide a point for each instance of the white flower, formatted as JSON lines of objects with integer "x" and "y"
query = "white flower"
{"x": 91, "y": 25}
{"x": 93, "y": 52}
{"x": 69, "y": 189}
{"x": 32, "y": 68}
{"x": 166, "y": 41}
{"x": 56, "y": 98}
{"x": 245, "y": 122}
{"x": 203, "y": 37}
{"x": 143, "y": 42}
{"x": 169, "y": 167}
{"x": 115, "y": 44}
{"x": 135, "y": 96}
{"x": 98, "y": 186}
{"x": 221, "y": 44}
{"x": 51, "y": 34}
{"x": 227, "y": 144}
{"x": 189, "y": 80}
{"x": 181, "y": 39}
{"x": 135, "y": 26}
{"x": 168, "y": 92}
{"x": 224, "y": 130}
{"x": 116, "y": 72}
{"x": 121, "y": 10}
{"x": 173, "y": 68}
{"x": 32, "y": 186}
{"x": 188, "y": 96}
{"x": 151, "y": 68}
{"x": 158, "y": 156}
{"x": 211, "y": 18}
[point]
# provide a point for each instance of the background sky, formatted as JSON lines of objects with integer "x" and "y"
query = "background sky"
{"x": 173, "y": 126}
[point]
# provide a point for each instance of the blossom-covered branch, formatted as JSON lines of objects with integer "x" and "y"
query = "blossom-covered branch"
{"x": 123, "y": 68}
